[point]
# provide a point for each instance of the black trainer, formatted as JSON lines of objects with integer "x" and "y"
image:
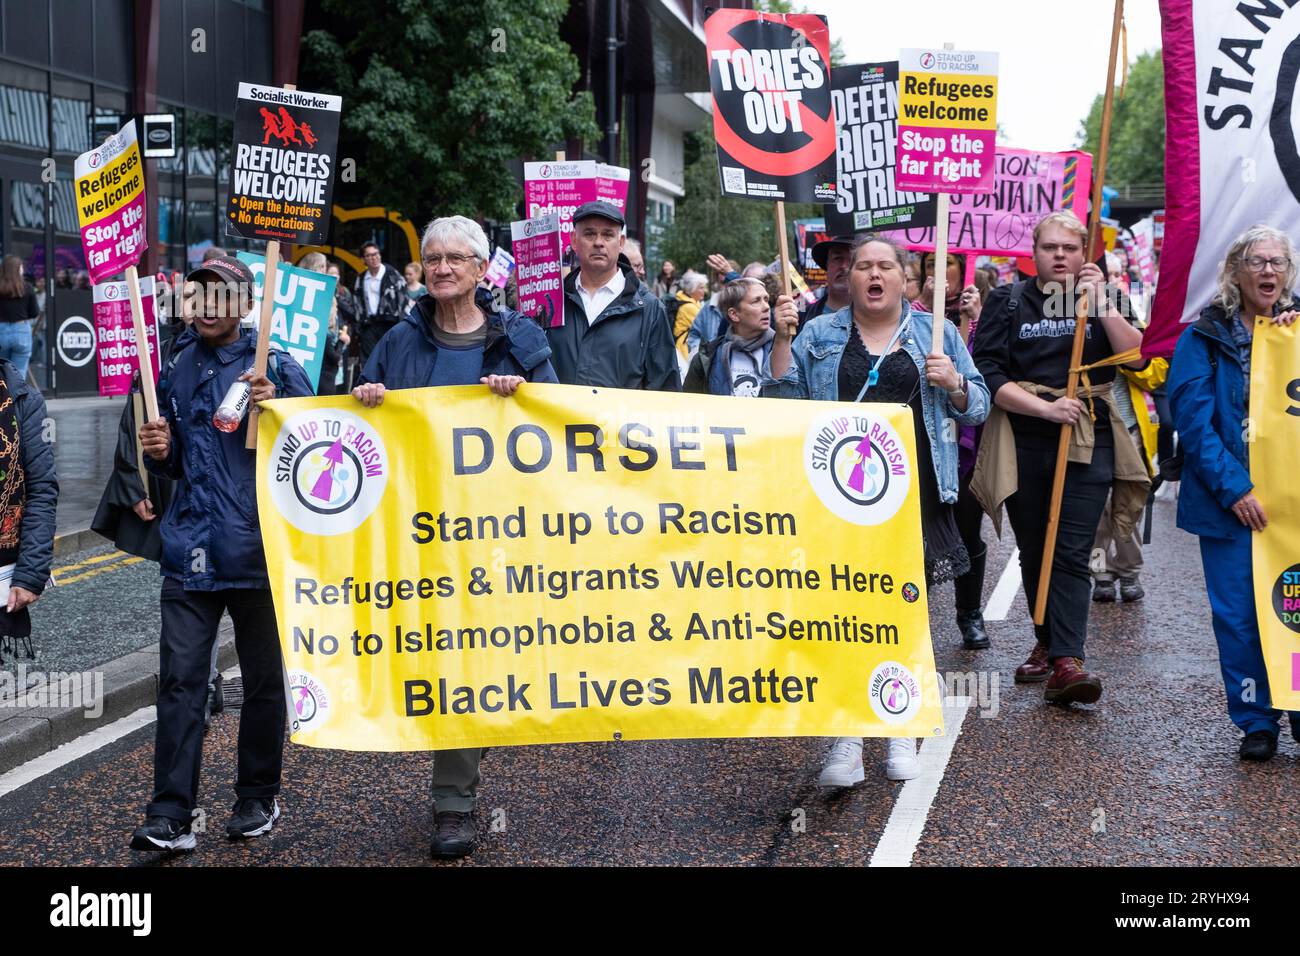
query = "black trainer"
{"x": 252, "y": 817}
{"x": 160, "y": 834}
{"x": 1258, "y": 745}
{"x": 453, "y": 834}
{"x": 1103, "y": 592}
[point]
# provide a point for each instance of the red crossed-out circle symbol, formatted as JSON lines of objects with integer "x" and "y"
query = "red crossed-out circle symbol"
{"x": 820, "y": 130}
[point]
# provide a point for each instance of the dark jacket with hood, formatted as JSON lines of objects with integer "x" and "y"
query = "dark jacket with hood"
{"x": 629, "y": 346}
{"x": 1207, "y": 388}
{"x": 710, "y": 369}
{"x": 392, "y": 295}
{"x": 407, "y": 356}
{"x": 372, "y": 326}
{"x": 41, "y": 483}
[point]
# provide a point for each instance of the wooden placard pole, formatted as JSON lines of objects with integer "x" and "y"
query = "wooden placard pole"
{"x": 269, "y": 284}
{"x": 564, "y": 270}
{"x": 940, "y": 305}
{"x": 137, "y": 412}
{"x": 783, "y": 244}
{"x": 264, "y": 328}
{"x": 1080, "y": 329}
{"x": 141, "y": 344}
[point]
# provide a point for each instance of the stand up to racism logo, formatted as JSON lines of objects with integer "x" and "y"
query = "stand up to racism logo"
{"x": 772, "y": 113}
{"x": 327, "y": 471}
{"x": 858, "y": 466}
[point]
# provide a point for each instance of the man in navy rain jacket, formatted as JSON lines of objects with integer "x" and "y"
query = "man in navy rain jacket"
{"x": 212, "y": 561}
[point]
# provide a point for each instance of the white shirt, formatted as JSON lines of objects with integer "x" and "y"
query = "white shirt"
{"x": 593, "y": 303}
{"x": 371, "y": 284}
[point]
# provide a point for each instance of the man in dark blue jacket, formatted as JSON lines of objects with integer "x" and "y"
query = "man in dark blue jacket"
{"x": 407, "y": 357}
{"x": 615, "y": 333}
{"x": 212, "y": 561}
{"x": 454, "y": 336}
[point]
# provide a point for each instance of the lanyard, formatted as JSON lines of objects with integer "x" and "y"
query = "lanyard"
{"x": 873, "y": 376}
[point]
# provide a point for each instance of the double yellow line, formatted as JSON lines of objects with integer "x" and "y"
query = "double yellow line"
{"x": 100, "y": 564}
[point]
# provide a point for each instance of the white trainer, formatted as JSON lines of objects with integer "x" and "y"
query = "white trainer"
{"x": 900, "y": 760}
{"x": 843, "y": 765}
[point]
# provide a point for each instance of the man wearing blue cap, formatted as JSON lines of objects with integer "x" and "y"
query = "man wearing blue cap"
{"x": 615, "y": 333}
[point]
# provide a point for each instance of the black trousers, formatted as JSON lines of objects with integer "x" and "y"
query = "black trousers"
{"x": 968, "y": 589}
{"x": 189, "y": 629}
{"x": 1065, "y": 625}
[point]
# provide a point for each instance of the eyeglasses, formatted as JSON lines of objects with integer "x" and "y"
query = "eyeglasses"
{"x": 1257, "y": 263}
{"x": 454, "y": 259}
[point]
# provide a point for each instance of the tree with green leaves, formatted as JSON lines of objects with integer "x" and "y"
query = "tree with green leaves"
{"x": 1137, "y": 126}
{"x": 786, "y": 6}
{"x": 441, "y": 95}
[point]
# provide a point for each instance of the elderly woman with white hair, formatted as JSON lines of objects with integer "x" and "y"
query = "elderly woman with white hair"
{"x": 451, "y": 337}
{"x": 1209, "y": 393}
{"x": 692, "y": 289}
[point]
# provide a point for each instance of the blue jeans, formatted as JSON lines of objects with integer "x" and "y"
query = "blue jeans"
{"x": 16, "y": 344}
{"x": 1229, "y": 584}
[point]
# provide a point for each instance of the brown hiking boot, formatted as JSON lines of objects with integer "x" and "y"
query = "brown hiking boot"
{"x": 1070, "y": 683}
{"x": 1036, "y": 668}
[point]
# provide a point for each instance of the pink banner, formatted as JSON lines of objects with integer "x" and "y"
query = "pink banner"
{"x": 562, "y": 187}
{"x": 1027, "y": 185}
{"x": 109, "y": 193}
{"x": 536, "y": 247}
{"x": 115, "y": 335}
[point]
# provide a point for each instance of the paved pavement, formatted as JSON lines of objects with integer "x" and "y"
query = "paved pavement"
{"x": 85, "y": 436}
{"x": 1149, "y": 775}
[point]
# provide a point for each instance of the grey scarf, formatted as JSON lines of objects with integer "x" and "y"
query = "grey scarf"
{"x": 752, "y": 347}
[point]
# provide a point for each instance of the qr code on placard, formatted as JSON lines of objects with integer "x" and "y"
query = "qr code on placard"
{"x": 733, "y": 179}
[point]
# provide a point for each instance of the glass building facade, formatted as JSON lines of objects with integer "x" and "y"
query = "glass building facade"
{"x": 65, "y": 62}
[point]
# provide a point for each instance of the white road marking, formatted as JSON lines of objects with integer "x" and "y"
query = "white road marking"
{"x": 64, "y": 754}
{"x": 907, "y": 821}
{"x": 1005, "y": 592}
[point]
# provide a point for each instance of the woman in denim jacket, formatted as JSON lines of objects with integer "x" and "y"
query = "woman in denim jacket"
{"x": 875, "y": 351}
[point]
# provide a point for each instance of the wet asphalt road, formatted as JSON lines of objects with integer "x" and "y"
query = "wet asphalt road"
{"x": 1149, "y": 775}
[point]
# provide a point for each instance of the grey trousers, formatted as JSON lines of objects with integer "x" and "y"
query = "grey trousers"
{"x": 1112, "y": 557}
{"x": 456, "y": 779}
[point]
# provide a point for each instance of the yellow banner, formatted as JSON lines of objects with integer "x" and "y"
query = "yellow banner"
{"x": 1274, "y": 450}
{"x": 455, "y": 569}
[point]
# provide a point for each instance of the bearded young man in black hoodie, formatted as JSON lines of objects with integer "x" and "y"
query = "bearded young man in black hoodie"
{"x": 615, "y": 333}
